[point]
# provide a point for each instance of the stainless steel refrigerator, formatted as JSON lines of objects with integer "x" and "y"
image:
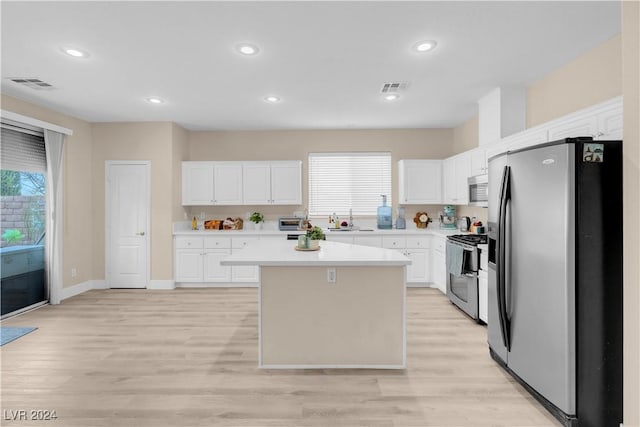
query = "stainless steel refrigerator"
{"x": 555, "y": 275}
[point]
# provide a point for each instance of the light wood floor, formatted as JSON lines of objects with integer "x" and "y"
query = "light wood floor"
{"x": 188, "y": 358}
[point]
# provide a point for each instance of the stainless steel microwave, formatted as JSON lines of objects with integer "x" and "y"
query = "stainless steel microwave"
{"x": 478, "y": 190}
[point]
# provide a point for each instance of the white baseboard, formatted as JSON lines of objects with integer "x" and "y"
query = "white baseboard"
{"x": 72, "y": 291}
{"x": 352, "y": 366}
{"x": 80, "y": 288}
{"x": 216, "y": 285}
{"x": 161, "y": 284}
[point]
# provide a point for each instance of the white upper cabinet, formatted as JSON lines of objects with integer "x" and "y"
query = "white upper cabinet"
{"x": 211, "y": 183}
{"x": 610, "y": 124}
{"x": 603, "y": 122}
{"x": 286, "y": 183}
{"x": 580, "y": 126}
{"x": 419, "y": 182}
{"x": 256, "y": 183}
{"x": 227, "y": 183}
{"x": 478, "y": 161}
{"x": 242, "y": 183}
{"x": 456, "y": 171}
{"x": 197, "y": 183}
{"x": 272, "y": 183}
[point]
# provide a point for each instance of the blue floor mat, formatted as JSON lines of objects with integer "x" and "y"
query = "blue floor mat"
{"x": 10, "y": 333}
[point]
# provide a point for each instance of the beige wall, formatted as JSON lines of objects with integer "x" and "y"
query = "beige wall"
{"x": 180, "y": 152}
{"x": 465, "y": 136}
{"x": 631, "y": 167}
{"x": 589, "y": 79}
{"x": 137, "y": 141}
{"x": 78, "y": 223}
{"x": 296, "y": 145}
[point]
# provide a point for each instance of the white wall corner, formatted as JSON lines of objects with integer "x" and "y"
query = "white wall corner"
{"x": 161, "y": 285}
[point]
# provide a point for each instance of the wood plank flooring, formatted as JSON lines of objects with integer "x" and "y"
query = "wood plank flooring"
{"x": 188, "y": 357}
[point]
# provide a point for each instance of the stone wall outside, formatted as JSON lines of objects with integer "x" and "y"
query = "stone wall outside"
{"x": 24, "y": 213}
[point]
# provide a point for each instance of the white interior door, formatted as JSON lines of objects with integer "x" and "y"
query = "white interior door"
{"x": 127, "y": 224}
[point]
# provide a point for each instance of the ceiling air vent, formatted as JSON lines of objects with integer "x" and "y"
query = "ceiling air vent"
{"x": 394, "y": 87}
{"x": 36, "y": 84}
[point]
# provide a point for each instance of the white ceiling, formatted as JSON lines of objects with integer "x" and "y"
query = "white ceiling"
{"x": 326, "y": 60}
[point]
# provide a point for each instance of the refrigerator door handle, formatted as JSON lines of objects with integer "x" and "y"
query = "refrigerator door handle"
{"x": 505, "y": 196}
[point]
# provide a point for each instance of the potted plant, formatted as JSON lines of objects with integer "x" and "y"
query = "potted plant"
{"x": 315, "y": 235}
{"x": 257, "y": 218}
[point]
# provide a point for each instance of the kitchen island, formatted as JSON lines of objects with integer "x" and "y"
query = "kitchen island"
{"x": 342, "y": 306}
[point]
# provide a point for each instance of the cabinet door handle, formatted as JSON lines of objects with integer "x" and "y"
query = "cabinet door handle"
{"x": 141, "y": 233}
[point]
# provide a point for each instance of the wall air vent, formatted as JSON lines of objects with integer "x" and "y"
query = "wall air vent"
{"x": 36, "y": 84}
{"x": 394, "y": 87}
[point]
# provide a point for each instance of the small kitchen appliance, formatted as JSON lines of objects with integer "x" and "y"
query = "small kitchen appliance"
{"x": 464, "y": 223}
{"x": 448, "y": 217}
{"x": 288, "y": 223}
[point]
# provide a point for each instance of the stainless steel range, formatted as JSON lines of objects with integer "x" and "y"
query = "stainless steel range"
{"x": 463, "y": 263}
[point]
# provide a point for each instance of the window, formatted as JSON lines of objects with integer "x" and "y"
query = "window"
{"x": 22, "y": 168}
{"x": 342, "y": 181}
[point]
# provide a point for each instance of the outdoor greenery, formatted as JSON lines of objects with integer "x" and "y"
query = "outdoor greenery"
{"x": 11, "y": 185}
{"x": 12, "y": 236}
{"x": 17, "y": 183}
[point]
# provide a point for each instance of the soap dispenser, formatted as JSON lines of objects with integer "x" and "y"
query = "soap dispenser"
{"x": 384, "y": 215}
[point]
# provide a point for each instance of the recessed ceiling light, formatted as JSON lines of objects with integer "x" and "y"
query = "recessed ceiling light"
{"x": 272, "y": 99}
{"x": 247, "y": 49}
{"x": 75, "y": 52}
{"x": 425, "y": 46}
{"x": 155, "y": 100}
{"x": 391, "y": 97}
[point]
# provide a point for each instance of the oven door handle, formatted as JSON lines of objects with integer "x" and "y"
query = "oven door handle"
{"x": 505, "y": 197}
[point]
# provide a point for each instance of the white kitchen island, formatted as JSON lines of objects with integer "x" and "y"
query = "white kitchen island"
{"x": 342, "y": 306}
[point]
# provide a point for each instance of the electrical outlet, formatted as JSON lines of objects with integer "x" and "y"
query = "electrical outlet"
{"x": 202, "y": 216}
{"x": 331, "y": 275}
{"x": 74, "y": 272}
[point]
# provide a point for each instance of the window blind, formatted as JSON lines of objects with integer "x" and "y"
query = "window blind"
{"x": 342, "y": 181}
{"x": 22, "y": 150}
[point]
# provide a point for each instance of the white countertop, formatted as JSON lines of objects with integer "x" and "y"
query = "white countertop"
{"x": 184, "y": 228}
{"x": 283, "y": 253}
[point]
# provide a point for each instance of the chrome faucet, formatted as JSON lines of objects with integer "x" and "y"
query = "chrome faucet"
{"x": 350, "y": 218}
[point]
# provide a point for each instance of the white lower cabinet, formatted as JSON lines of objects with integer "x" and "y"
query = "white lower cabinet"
{"x": 214, "y": 272}
{"x": 418, "y": 250}
{"x": 418, "y": 271}
{"x": 189, "y": 265}
{"x": 375, "y": 241}
{"x": 336, "y": 236}
{"x": 197, "y": 260}
{"x": 483, "y": 295}
{"x": 439, "y": 263}
{"x": 243, "y": 273}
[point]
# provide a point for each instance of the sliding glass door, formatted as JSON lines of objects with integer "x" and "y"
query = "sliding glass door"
{"x": 23, "y": 213}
